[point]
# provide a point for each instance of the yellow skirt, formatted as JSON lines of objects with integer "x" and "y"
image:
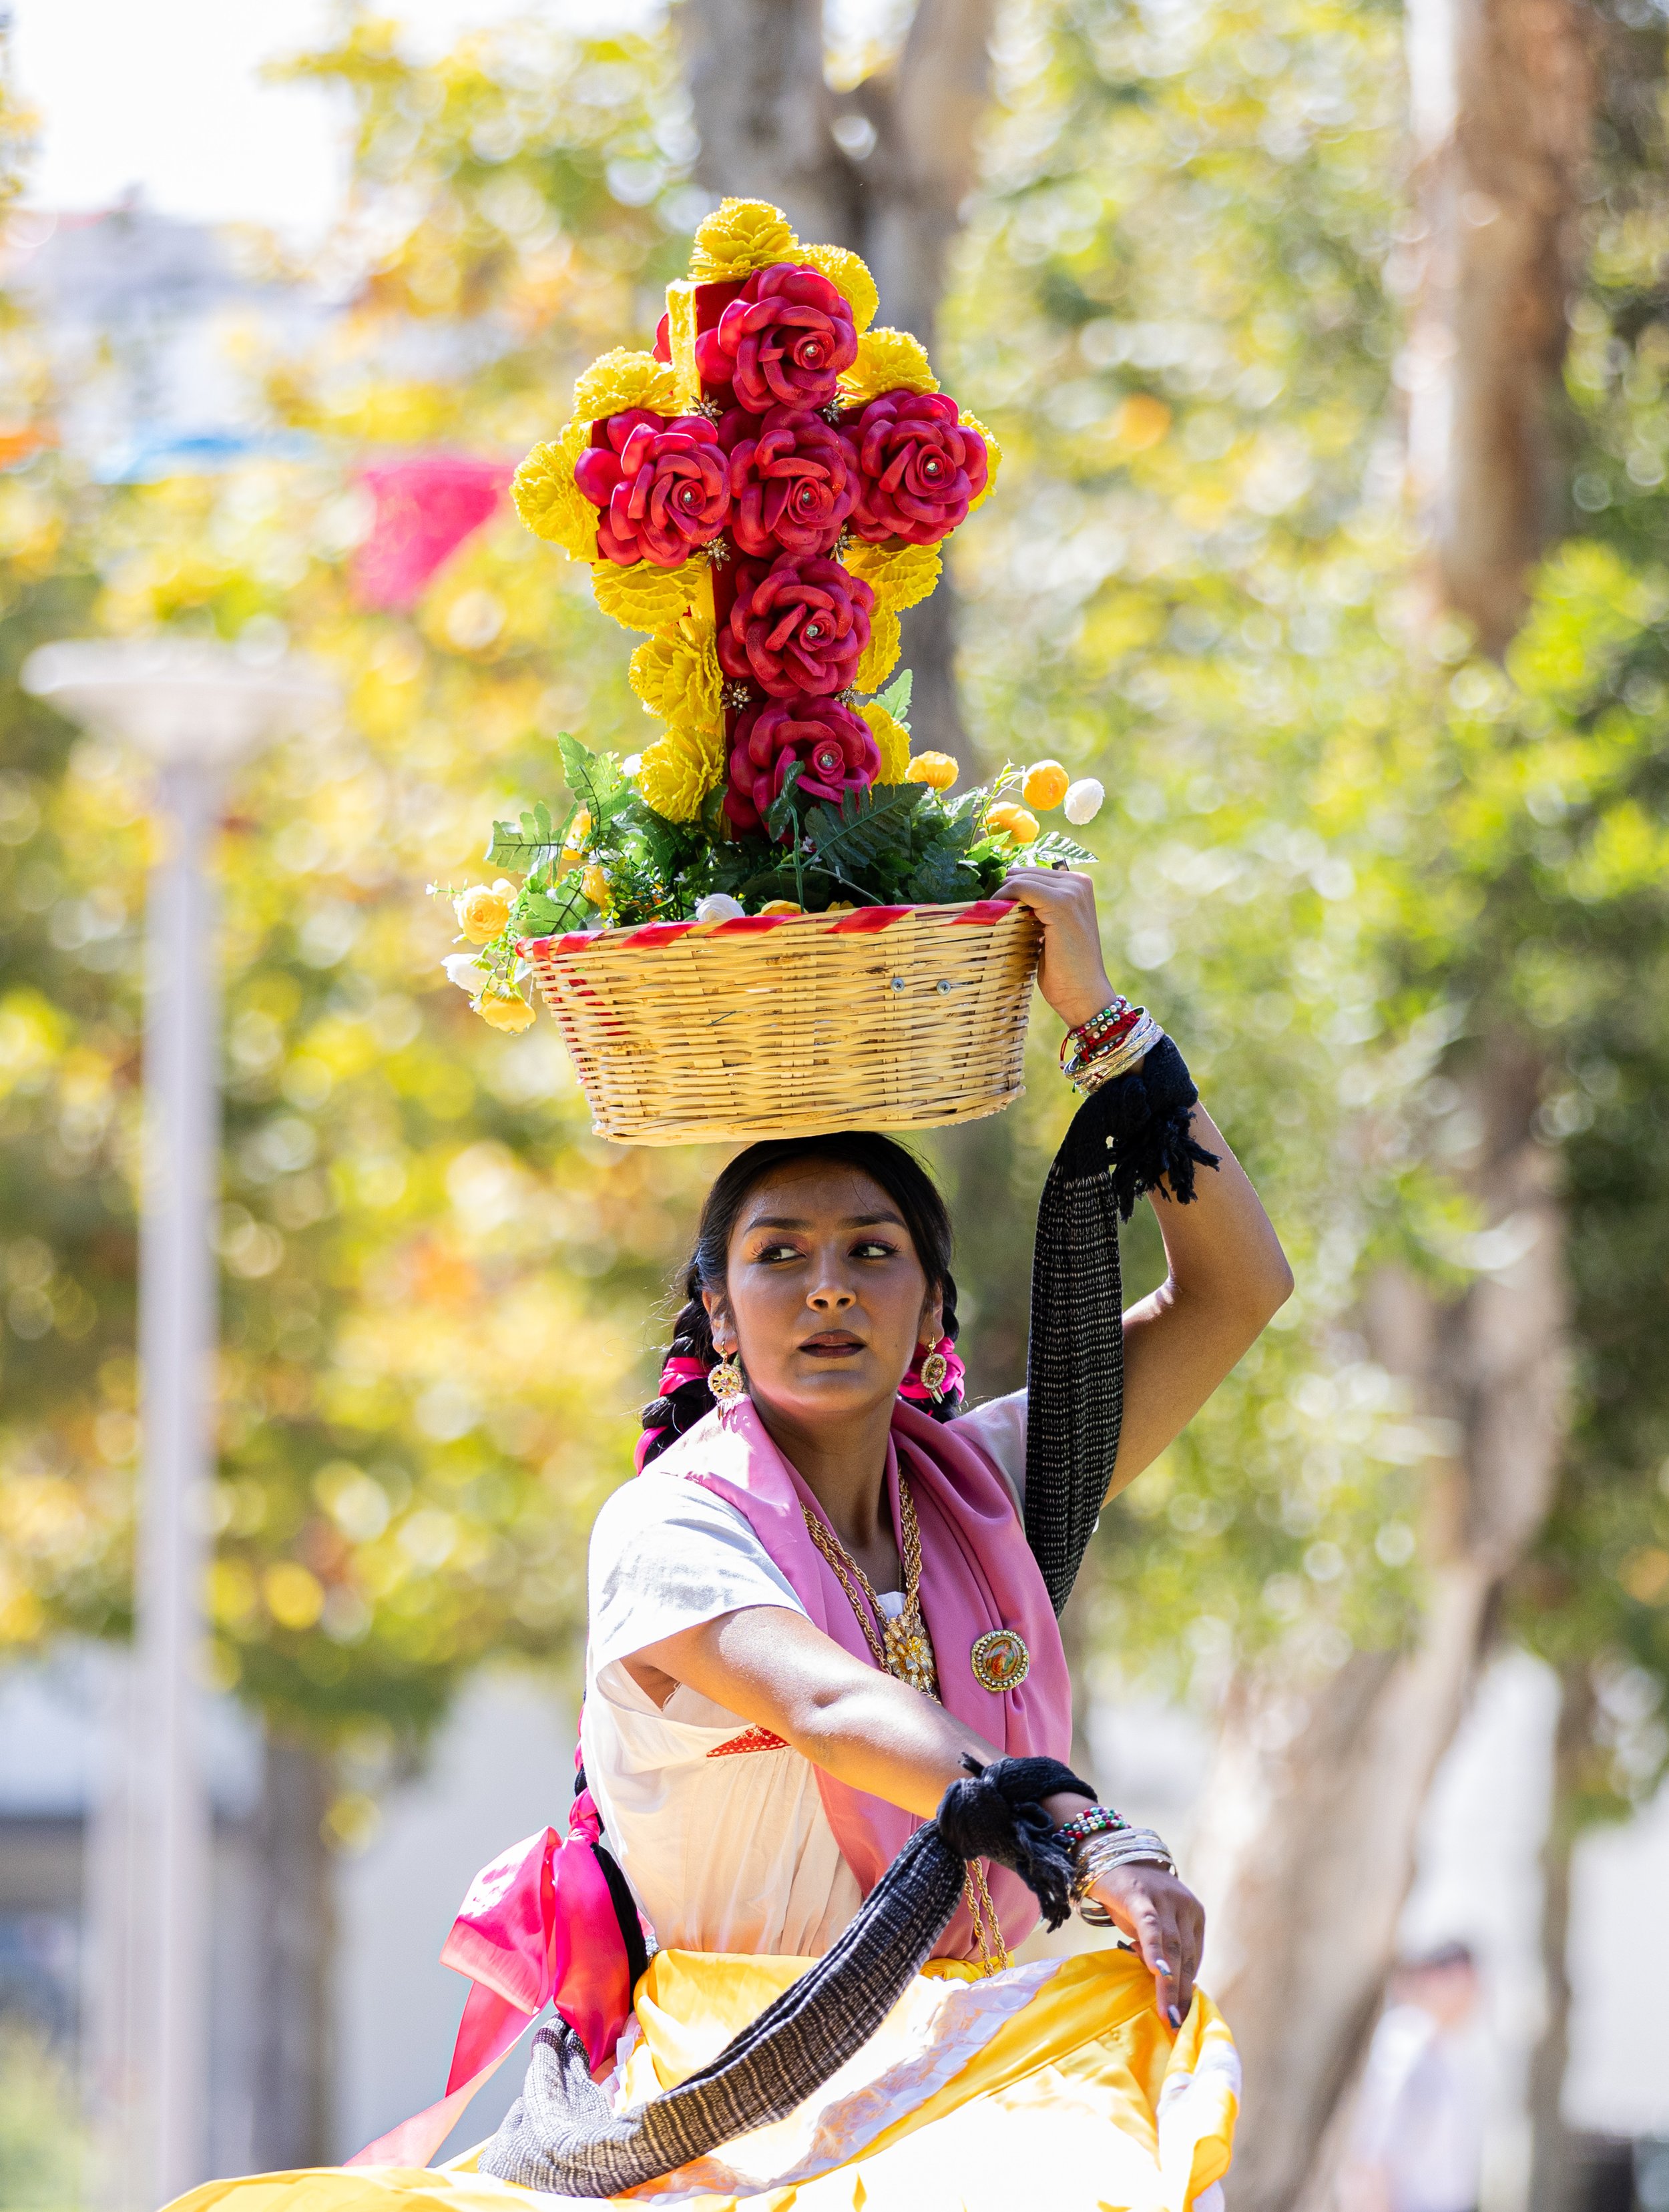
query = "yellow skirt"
{"x": 1053, "y": 2082}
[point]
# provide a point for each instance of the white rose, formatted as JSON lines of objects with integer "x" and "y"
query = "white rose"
{"x": 463, "y": 970}
{"x": 718, "y": 905}
{"x": 1084, "y": 801}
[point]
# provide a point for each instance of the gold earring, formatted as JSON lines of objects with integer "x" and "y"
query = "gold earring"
{"x": 935, "y": 1368}
{"x": 727, "y": 1381}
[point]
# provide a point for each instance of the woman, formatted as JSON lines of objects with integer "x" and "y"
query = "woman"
{"x": 817, "y": 1623}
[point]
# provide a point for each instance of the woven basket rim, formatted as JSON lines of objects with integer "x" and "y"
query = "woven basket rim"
{"x": 851, "y": 921}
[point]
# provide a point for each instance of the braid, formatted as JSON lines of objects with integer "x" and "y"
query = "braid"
{"x": 950, "y": 1403}
{"x": 692, "y": 1338}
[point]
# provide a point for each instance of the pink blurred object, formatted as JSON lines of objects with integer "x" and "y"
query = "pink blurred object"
{"x": 538, "y": 1926}
{"x": 426, "y": 507}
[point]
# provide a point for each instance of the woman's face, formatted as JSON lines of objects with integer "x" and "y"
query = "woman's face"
{"x": 825, "y": 1299}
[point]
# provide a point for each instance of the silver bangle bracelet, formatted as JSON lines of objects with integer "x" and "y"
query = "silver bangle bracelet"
{"x": 1099, "y": 1855}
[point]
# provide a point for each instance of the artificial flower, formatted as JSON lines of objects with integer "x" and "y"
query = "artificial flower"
{"x": 719, "y": 906}
{"x": 834, "y": 749}
{"x": 782, "y": 343}
{"x": 677, "y": 674}
{"x": 921, "y": 468}
{"x": 679, "y": 770}
{"x": 891, "y": 741}
{"x": 1044, "y": 785}
{"x": 848, "y": 274}
{"x": 793, "y": 482}
{"x": 1008, "y": 820}
{"x": 887, "y": 361}
{"x": 483, "y": 910}
{"x": 594, "y": 883}
{"x": 1084, "y": 801}
{"x": 665, "y": 487}
{"x": 622, "y": 380}
{"x": 548, "y": 499}
{"x": 463, "y": 970}
{"x": 782, "y": 906}
{"x": 880, "y": 655}
{"x": 800, "y": 626}
{"x": 739, "y": 237}
{"x": 645, "y": 596}
{"x": 900, "y": 575}
{"x": 503, "y": 1007}
{"x": 937, "y": 770}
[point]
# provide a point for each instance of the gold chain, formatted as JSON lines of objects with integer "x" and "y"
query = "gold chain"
{"x": 905, "y": 1649}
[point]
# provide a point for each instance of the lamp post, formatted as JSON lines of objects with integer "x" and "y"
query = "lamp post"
{"x": 196, "y": 709}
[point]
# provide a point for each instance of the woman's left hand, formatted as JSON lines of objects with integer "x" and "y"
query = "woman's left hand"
{"x": 1071, "y": 974}
{"x": 1166, "y": 1923}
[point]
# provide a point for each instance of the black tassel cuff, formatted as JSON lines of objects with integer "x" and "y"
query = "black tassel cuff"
{"x": 1142, "y": 1119}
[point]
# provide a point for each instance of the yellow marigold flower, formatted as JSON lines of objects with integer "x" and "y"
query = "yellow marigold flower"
{"x": 502, "y": 1008}
{"x": 894, "y": 739}
{"x": 594, "y": 883}
{"x": 677, "y": 673}
{"x": 1046, "y": 785}
{"x": 782, "y": 906}
{"x": 739, "y": 237}
{"x": 848, "y": 275}
{"x": 483, "y": 910}
{"x": 887, "y": 361}
{"x": 644, "y": 597}
{"x": 901, "y": 576}
{"x": 548, "y": 500}
{"x": 880, "y": 656}
{"x": 624, "y": 379}
{"x": 993, "y": 456}
{"x": 938, "y": 769}
{"x": 679, "y": 770}
{"x": 1008, "y": 820}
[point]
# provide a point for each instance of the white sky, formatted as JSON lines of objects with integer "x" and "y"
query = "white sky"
{"x": 167, "y": 95}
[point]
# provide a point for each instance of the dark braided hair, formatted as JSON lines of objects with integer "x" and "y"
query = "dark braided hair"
{"x": 899, "y": 1174}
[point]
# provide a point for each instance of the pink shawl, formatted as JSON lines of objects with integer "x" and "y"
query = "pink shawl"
{"x": 977, "y": 1574}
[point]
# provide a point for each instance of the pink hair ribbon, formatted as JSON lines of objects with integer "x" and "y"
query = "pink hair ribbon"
{"x": 679, "y": 1370}
{"x": 538, "y": 1927}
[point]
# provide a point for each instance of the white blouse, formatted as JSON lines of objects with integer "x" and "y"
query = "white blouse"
{"x": 732, "y": 1852}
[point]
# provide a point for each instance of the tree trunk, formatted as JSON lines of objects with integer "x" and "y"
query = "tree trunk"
{"x": 292, "y": 2115}
{"x": 1552, "y": 2161}
{"x": 883, "y": 169}
{"x": 1316, "y": 1797}
{"x": 1502, "y": 103}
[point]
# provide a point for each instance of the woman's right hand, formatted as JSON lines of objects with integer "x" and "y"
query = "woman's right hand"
{"x": 1166, "y": 1923}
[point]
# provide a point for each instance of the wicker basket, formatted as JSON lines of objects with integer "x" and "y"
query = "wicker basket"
{"x": 888, "y": 1017}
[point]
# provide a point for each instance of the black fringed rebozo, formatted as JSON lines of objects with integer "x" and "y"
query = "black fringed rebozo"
{"x": 560, "y": 2136}
{"x": 1126, "y": 1138}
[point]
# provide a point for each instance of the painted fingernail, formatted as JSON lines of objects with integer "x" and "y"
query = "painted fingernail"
{"x": 1176, "y": 2018}
{"x": 1160, "y": 1967}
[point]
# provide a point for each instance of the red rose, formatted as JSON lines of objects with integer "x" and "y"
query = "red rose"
{"x": 834, "y": 747}
{"x": 783, "y": 342}
{"x": 793, "y": 482}
{"x": 664, "y": 487}
{"x": 799, "y": 626}
{"x": 920, "y": 468}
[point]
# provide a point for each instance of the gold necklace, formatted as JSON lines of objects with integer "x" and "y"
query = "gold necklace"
{"x": 903, "y": 1649}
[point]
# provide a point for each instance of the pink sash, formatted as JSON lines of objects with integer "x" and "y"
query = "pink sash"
{"x": 977, "y": 1574}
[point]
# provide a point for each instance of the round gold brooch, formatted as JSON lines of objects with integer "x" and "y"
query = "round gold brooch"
{"x": 1000, "y": 1660}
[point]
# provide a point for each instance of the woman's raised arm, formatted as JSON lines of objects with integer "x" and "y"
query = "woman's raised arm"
{"x": 1227, "y": 1272}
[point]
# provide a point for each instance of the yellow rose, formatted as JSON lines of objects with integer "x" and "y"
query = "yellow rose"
{"x": 937, "y": 769}
{"x": 1046, "y": 785}
{"x": 644, "y": 597}
{"x": 1008, "y": 820}
{"x": 679, "y": 770}
{"x": 880, "y": 655}
{"x": 578, "y": 830}
{"x": 622, "y": 379}
{"x": 887, "y": 361}
{"x": 502, "y": 1008}
{"x": 739, "y": 237}
{"x": 483, "y": 910}
{"x": 894, "y": 739}
{"x": 993, "y": 457}
{"x": 782, "y": 906}
{"x": 548, "y": 500}
{"x": 901, "y": 576}
{"x": 677, "y": 674}
{"x": 850, "y": 276}
{"x": 594, "y": 883}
